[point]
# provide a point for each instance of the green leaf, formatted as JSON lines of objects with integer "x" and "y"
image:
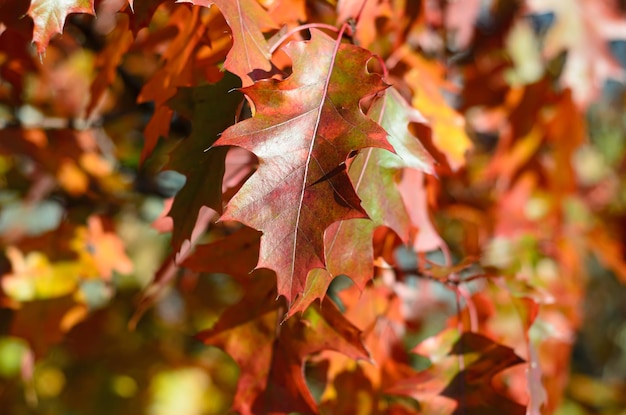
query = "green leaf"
{"x": 212, "y": 108}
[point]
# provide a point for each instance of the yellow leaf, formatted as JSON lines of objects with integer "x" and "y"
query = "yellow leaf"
{"x": 34, "y": 277}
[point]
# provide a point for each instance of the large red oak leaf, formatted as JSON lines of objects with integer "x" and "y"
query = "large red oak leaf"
{"x": 49, "y": 17}
{"x": 304, "y": 129}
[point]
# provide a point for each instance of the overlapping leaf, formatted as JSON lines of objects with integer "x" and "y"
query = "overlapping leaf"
{"x": 470, "y": 386}
{"x": 176, "y": 71}
{"x": 374, "y": 173}
{"x": 212, "y": 109}
{"x": 271, "y": 356}
{"x": 304, "y": 129}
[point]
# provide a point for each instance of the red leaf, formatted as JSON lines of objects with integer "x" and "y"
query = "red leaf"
{"x": 303, "y": 131}
{"x": 348, "y": 243}
{"x": 49, "y": 17}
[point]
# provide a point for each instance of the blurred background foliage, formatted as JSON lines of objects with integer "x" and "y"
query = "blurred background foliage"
{"x": 76, "y": 210}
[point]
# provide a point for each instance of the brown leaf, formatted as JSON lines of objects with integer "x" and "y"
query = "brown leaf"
{"x": 271, "y": 356}
{"x": 236, "y": 254}
{"x": 470, "y": 384}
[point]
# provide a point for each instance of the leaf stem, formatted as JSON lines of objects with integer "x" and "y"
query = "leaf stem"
{"x": 358, "y": 15}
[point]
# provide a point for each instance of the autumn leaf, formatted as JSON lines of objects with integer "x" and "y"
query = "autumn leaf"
{"x": 427, "y": 80}
{"x": 235, "y": 254}
{"x": 303, "y": 131}
{"x": 470, "y": 385}
{"x": 100, "y": 251}
{"x": 202, "y": 165}
{"x": 377, "y": 312}
{"x": 108, "y": 60}
{"x": 45, "y": 314}
{"x": 247, "y": 19}
{"x": 349, "y": 243}
{"x": 374, "y": 172}
{"x": 49, "y": 17}
{"x": 271, "y": 356}
{"x": 34, "y": 277}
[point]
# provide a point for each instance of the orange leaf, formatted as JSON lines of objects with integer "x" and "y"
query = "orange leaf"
{"x": 49, "y": 17}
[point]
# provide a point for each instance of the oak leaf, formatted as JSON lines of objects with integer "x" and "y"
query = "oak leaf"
{"x": 270, "y": 355}
{"x": 49, "y": 17}
{"x": 212, "y": 108}
{"x": 304, "y": 129}
{"x": 469, "y": 385}
{"x": 374, "y": 172}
